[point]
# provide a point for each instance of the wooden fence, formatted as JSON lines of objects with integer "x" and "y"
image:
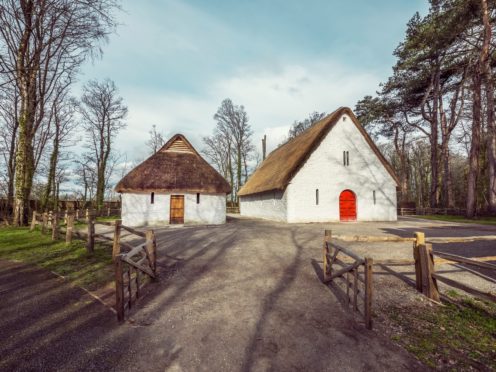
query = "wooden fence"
{"x": 133, "y": 269}
{"x": 63, "y": 223}
{"x": 431, "y": 211}
{"x": 134, "y": 266}
{"x": 354, "y": 271}
{"x": 427, "y": 278}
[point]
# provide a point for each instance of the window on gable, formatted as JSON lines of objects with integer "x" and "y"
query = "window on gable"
{"x": 346, "y": 158}
{"x": 316, "y": 196}
{"x": 373, "y": 195}
{"x": 198, "y": 198}
{"x": 152, "y": 198}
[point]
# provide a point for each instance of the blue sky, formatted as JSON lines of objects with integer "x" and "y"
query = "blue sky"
{"x": 175, "y": 61}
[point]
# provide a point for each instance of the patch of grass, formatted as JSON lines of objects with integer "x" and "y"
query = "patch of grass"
{"x": 461, "y": 219}
{"x": 458, "y": 336}
{"x": 108, "y": 218}
{"x": 72, "y": 261}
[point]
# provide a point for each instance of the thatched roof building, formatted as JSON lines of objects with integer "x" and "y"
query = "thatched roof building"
{"x": 174, "y": 185}
{"x": 332, "y": 171}
{"x": 176, "y": 167}
{"x": 283, "y": 163}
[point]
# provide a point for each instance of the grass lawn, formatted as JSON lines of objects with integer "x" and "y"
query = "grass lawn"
{"x": 72, "y": 261}
{"x": 462, "y": 219}
{"x": 458, "y": 336}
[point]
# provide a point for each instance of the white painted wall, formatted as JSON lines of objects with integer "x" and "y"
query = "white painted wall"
{"x": 324, "y": 170}
{"x": 268, "y": 205}
{"x": 137, "y": 209}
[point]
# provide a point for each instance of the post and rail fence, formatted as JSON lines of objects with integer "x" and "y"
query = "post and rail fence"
{"x": 134, "y": 265}
{"x": 346, "y": 268}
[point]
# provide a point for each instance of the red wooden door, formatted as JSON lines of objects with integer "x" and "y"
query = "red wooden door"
{"x": 347, "y": 206}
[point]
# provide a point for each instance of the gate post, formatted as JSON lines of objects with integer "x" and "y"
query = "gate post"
{"x": 368, "y": 292}
{"x": 420, "y": 240}
{"x": 429, "y": 283}
{"x": 326, "y": 254}
{"x": 116, "y": 247}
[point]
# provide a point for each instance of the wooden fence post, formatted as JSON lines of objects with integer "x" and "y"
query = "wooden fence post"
{"x": 69, "y": 228}
{"x": 65, "y": 216}
{"x": 108, "y": 212}
{"x": 151, "y": 248}
{"x": 90, "y": 244}
{"x": 33, "y": 221}
{"x": 77, "y": 214}
{"x": 368, "y": 292}
{"x": 119, "y": 289}
{"x": 44, "y": 223}
{"x": 55, "y": 226}
{"x": 429, "y": 283}
{"x": 325, "y": 253}
{"x": 420, "y": 239}
{"x": 116, "y": 248}
{"x": 50, "y": 219}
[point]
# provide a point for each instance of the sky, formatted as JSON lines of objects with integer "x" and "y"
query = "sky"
{"x": 175, "y": 61}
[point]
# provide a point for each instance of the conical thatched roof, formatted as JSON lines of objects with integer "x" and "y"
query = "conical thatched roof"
{"x": 176, "y": 167}
{"x": 283, "y": 163}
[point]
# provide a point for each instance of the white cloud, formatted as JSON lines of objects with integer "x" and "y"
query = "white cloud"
{"x": 273, "y": 100}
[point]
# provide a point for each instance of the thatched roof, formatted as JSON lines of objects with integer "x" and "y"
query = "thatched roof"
{"x": 283, "y": 163}
{"x": 176, "y": 167}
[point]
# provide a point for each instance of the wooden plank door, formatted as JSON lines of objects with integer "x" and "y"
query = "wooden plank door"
{"x": 177, "y": 209}
{"x": 347, "y": 206}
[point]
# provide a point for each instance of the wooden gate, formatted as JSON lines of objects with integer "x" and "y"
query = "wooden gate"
{"x": 347, "y": 206}
{"x": 354, "y": 272}
{"x": 177, "y": 209}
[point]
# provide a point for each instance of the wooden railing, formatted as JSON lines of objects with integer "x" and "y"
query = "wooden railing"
{"x": 133, "y": 269}
{"x": 431, "y": 211}
{"x": 354, "y": 271}
{"x": 234, "y": 210}
{"x": 59, "y": 223}
{"x": 426, "y": 276}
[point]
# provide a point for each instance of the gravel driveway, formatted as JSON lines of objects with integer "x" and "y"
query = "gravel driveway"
{"x": 239, "y": 297}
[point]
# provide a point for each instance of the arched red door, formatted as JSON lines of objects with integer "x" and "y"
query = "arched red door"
{"x": 347, "y": 206}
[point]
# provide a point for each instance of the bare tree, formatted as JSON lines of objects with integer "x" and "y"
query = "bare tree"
{"x": 232, "y": 124}
{"x": 9, "y": 124}
{"x": 103, "y": 113}
{"x": 42, "y": 44}
{"x": 63, "y": 122}
{"x": 156, "y": 140}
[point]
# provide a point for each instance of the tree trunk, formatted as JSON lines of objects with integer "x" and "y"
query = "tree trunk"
{"x": 24, "y": 167}
{"x": 489, "y": 93}
{"x": 475, "y": 144}
{"x": 238, "y": 171}
{"x": 434, "y": 190}
{"x": 50, "y": 187}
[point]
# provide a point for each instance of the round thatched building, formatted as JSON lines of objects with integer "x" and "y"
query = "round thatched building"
{"x": 173, "y": 186}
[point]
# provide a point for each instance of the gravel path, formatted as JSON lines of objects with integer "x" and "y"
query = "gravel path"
{"x": 240, "y": 297}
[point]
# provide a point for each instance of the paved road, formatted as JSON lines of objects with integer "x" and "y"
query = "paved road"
{"x": 240, "y": 297}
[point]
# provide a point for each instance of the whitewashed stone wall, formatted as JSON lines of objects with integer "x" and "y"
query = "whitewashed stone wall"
{"x": 270, "y": 205}
{"x": 324, "y": 170}
{"x": 137, "y": 209}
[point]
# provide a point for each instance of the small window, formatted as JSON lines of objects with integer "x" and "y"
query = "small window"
{"x": 198, "y": 198}
{"x": 346, "y": 158}
{"x": 317, "y": 197}
{"x": 373, "y": 195}
{"x": 152, "y": 198}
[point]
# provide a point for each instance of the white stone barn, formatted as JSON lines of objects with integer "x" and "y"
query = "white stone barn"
{"x": 173, "y": 186}
{"x": 333, "y": 171}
